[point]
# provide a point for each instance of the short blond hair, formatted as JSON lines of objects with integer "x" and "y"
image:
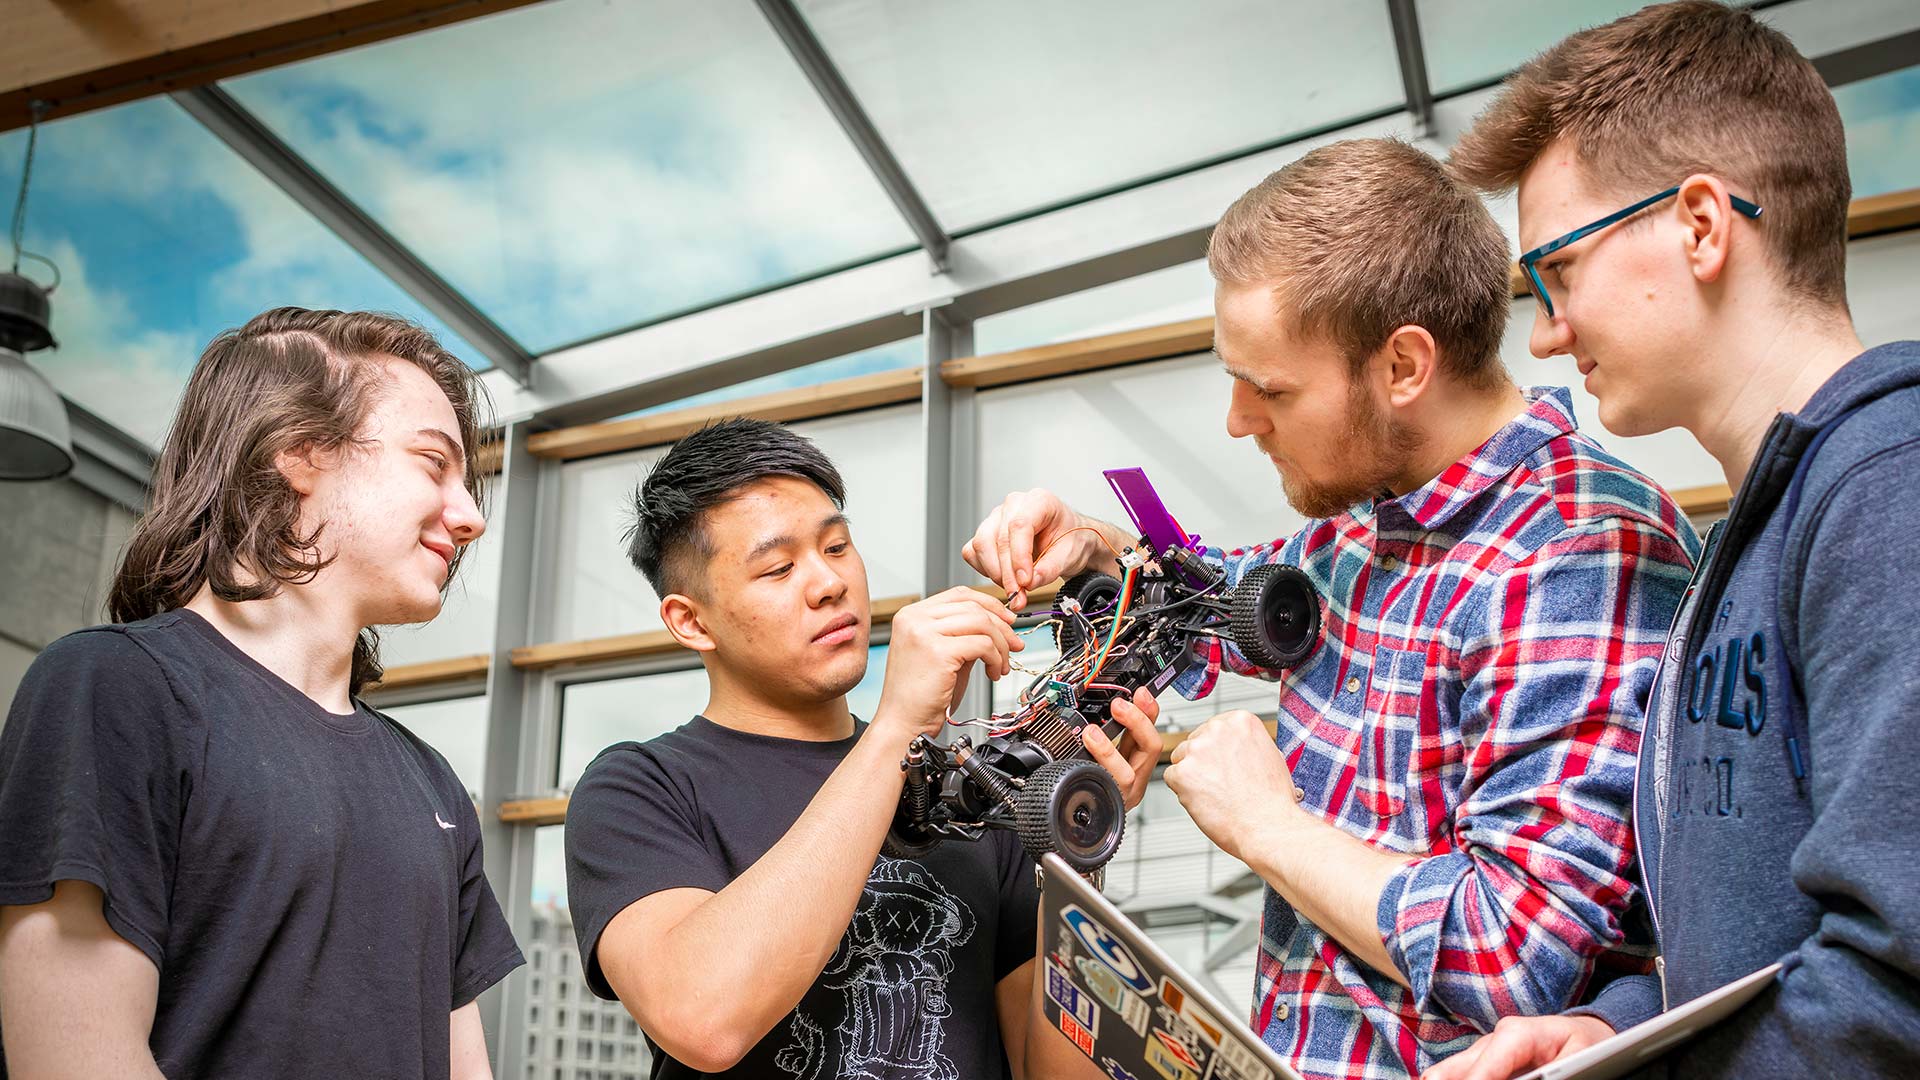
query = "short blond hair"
{"x": 1365, "y": 236}
{"x": 1678, "y": 89}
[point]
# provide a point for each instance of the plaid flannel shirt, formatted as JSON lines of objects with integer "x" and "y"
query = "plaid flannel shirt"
{"x": 1476, "y": 704}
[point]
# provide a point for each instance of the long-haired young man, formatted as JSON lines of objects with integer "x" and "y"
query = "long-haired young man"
{"x": 218, "y": 861}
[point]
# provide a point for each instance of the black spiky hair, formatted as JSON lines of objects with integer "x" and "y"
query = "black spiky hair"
{"x": 666, "y": 539}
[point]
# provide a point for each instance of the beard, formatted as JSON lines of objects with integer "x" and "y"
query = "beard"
{"x": 1376, "y": 451}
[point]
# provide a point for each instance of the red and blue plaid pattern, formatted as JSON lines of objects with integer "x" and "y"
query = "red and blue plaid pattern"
{"x": 1490, "y": 641}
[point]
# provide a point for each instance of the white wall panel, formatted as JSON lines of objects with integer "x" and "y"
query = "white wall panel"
{"x": 1168, "y": 416}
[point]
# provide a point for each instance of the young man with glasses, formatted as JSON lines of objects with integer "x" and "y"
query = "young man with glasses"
{"x": 1441, "y": 820}
{"x": 1778, "y": 753}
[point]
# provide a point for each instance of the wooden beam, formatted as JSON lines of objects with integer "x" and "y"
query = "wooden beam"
{"x": 801, "y": 403}
{"x": 646, "y": 643}
{"x": 541, "y": 811}
{"x": 1892, "y": 212}
{"x": 1871, "y": 216}
{"x": 1707, "y": 499}
{"x": 432, "y": 673}
{"x": 1067, "y": 357}
{"x": 75, "y": 56}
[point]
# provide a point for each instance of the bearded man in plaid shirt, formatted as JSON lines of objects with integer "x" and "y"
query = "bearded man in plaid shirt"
{"x": 1443, "y": 819}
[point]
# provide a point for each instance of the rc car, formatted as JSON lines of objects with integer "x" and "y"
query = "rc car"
{"x": 1032, "y": 772}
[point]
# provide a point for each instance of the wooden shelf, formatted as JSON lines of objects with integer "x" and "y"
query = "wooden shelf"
{"x": 542, "y": 811}
{"x": 76, "y": 57}
{"x": 647, "y": 643}
{"x": 1708, "y": 499}
{"x": 1088, "y": 354}
{"x": 1891, "y": 212}
{"x": 432, "y": 673}
{"x": 801, "y": 403}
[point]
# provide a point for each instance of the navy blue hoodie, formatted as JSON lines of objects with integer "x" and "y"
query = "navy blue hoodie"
{"x": 1779, "y": 780}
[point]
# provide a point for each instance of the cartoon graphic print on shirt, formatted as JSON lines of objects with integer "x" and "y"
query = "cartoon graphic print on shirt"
{"x": 891, "y": 972}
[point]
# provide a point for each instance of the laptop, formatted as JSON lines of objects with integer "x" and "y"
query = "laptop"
{"x": 1632, "y": 1049}
{"x": 1118, "y": 997}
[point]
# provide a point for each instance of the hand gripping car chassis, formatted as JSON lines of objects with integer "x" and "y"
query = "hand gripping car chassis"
{"x": 1033, "y": 773}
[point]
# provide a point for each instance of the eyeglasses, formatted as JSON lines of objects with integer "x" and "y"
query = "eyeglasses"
{"x": 1529, "y": 261}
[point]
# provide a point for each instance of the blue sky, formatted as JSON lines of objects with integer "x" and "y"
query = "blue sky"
{"x": 574, "y": 167}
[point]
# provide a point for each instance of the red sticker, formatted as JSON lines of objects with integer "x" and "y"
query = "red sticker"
{"x": 1081, "y": 1037}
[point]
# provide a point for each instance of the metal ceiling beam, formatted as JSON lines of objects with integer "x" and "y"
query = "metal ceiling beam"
{"x": 807, "y": 51}
{"x": 1873, "y": 58}
{"x": 1413, "y": 63}
{"x": 252, "y": 140}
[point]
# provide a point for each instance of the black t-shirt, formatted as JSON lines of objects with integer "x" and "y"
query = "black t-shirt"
{"x": 909, "y": 995}
{"x": 308, "y": 885}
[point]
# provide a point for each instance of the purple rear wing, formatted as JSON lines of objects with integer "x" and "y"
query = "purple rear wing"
{"x": 1149, "y": 514}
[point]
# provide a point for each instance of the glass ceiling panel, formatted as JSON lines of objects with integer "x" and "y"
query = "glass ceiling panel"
{"x": 1000, "y": 107}
{"x": 1882, "y": 116}
{"x": 1472, "y": 41}
{"x": 164, "y": 238}
{"x": 578, "y": 167}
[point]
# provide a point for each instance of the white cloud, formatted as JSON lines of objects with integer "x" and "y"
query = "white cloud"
{"x": 675, "y": 155}
{"x": 127, "y": 373}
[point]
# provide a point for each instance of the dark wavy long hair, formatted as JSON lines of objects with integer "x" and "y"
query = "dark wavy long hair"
{"x": 220, "y": 513}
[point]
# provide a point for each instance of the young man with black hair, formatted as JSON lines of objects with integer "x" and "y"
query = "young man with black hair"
{"x": 216, "y": 860}
{"x": 726, "y": 879}
{"x": 1683, "y": 191}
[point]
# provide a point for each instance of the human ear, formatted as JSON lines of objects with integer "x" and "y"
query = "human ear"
{"x": 681, "y": 614}
{"x": 301, "y": 471}
{"x": 1410, "y": 359}
{"x": 1705, "y": 215}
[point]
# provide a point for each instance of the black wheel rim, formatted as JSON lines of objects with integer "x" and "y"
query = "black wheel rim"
{"x": 1290, "y": 616}
{"x": 1083, "y": 817}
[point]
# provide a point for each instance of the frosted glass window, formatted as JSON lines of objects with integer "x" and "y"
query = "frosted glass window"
{"x": 457, "y": 728}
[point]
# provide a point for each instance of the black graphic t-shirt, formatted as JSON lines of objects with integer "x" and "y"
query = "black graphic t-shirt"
{"x": 308, "y": 885}
{"x": 909, "y": 995}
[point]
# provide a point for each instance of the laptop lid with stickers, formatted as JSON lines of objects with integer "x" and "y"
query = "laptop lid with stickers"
{"x": 1118, "y": 997}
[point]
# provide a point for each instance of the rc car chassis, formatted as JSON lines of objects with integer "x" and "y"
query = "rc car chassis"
{"x": 1033, "y": 774}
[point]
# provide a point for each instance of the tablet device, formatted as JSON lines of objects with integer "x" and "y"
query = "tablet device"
{"x": 1632, "y": 1049}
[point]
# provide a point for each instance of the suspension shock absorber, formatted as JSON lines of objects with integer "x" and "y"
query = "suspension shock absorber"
{"x": 989, "y": 781}
{"x": 919, "y": 796}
